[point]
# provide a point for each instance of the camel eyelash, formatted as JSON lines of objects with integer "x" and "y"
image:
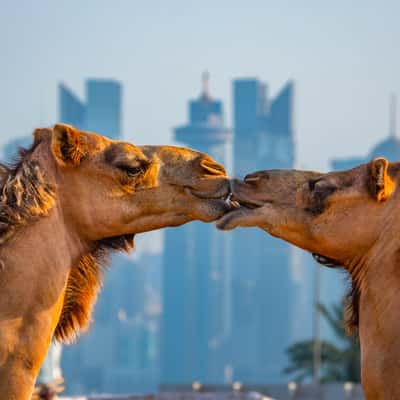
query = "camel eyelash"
{"x": 131, "y": 171}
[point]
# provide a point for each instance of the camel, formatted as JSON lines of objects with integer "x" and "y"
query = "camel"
{"x": 70, "y": 200}
{"x": 350, "y": 219}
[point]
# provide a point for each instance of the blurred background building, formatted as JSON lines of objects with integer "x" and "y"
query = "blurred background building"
{"x": 100, "y": 112}
{"x": 121, "y": 350}
{"x": 263, "y": 285}
{"x": 196, "y": 323}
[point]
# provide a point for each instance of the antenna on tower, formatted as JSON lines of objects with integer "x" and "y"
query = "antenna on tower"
{"x": 392, "y": 115}
{"x": 205, "y": 81}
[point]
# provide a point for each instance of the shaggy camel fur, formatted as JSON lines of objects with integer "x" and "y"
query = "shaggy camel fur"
{"x": 70, "y": 200}
{"x": 349, "y": 218}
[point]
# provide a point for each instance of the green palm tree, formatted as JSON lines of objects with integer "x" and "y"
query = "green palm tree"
{"x": 338, "y": 363}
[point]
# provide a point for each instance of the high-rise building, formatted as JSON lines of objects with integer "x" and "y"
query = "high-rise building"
{"x": 71, "y": 110}
{"x": 104, "y": 112}
{"x": 264, "y": 282}
{"x": 100, "y": 112}
{"x": 263, "y": 127}
{"x": 120, "y": 353}
{"x": 196, "y": 282}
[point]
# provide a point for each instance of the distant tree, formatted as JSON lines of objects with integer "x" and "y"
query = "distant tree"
{"x": 338, "y": 363}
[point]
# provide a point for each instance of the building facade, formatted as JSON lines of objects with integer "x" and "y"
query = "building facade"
{"x": 120, "y": 353}
{"x": 100, "y": 112}
{"x": 196, "y": 269}
{"x": 264, "y": 286}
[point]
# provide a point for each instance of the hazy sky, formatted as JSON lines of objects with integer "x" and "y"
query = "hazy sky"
{"x": 343, "y": 56}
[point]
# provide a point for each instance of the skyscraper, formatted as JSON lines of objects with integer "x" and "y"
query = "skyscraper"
{"x": 264, "y": 287}
{"x": 101, "y": 112}
{"x": 71, "y": 110}
{"x": 104, "y": 112}
{"x": 120, "y": 352}
{"x": 196, "y": 282}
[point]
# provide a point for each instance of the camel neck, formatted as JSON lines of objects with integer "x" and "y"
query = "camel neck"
{"x": 378, "y": 322}
{"x": 35, "y": 263}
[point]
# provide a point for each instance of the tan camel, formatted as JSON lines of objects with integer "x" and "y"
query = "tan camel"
{"x": 348, "y": 218}
{"x": 72, "y": 198}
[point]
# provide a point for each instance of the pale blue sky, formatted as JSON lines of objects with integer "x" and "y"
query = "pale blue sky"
{"x": 343, "y": 56}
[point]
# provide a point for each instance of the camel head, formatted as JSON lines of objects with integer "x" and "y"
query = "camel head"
{"x": 109, "y": 188}
{"x": 337, "y": 216}
{"x": 103, "y": 192}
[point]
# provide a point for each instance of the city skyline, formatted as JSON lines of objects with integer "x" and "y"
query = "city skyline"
{"x": 264, "y": 130}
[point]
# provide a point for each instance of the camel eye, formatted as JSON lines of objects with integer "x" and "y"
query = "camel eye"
{"x": 321, "y": 186}
{"x": 132, "y": 171}
{"x": 311, "y": 184}
{"x": 320, "y": 190}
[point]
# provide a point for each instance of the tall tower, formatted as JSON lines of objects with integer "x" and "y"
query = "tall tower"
{"x": 263, "y": 286}
{"x": 196, "y": 281}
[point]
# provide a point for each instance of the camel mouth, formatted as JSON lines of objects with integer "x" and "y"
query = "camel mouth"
{"x": 247, "y": 202}
{"x": 226, "y": 200}
{"x": 249, "y": 205}
{"x": 230, "y": 219}
{"x": 223, "y": 195}
{"x": 221, "y": 192}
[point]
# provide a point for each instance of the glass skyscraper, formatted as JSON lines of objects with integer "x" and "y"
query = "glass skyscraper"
{"x": 196, "y": 318}
{"x": 120, "y": 352}
{"x": 264, "y": 285}
{"x": 101, "y": 112}
{"x": 72, "y": 111}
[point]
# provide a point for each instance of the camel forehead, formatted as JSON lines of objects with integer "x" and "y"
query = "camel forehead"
{"x": 171, "y": 153}
{"x": 114, "y": 150}
{"x": 348, "y": 177}
{"x": 291, "y": 177}
{"x": 337, "y": 177}
{"x": 96, "y": 143}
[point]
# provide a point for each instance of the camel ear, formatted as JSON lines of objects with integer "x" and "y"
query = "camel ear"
{"x": 66, "y": 144}
{"x": 382, "y": 184}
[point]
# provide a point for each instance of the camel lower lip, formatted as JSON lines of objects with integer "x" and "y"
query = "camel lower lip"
{"x": 226, "y": 220}
{"x": 248, "y": 205}
{"x": 227, "y": 199}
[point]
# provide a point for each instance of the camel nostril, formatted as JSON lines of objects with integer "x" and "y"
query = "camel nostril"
{"x": 252, "y": 178}
{"x": 256, "y": 177}
{"x": 212, "y": 167}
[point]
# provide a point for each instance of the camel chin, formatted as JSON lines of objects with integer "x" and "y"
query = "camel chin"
{"x": 210, "y": 209}
{"x": 235, "y": 218}
{"x": 214, "y": 209}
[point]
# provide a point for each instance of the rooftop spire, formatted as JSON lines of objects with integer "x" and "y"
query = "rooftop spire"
{"x": 205, "y": 80}
{"x": 392, "y": 115}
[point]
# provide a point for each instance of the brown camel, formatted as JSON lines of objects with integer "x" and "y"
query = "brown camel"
{"x": 348, "y": 218}
{"x": 70, "y": 200}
